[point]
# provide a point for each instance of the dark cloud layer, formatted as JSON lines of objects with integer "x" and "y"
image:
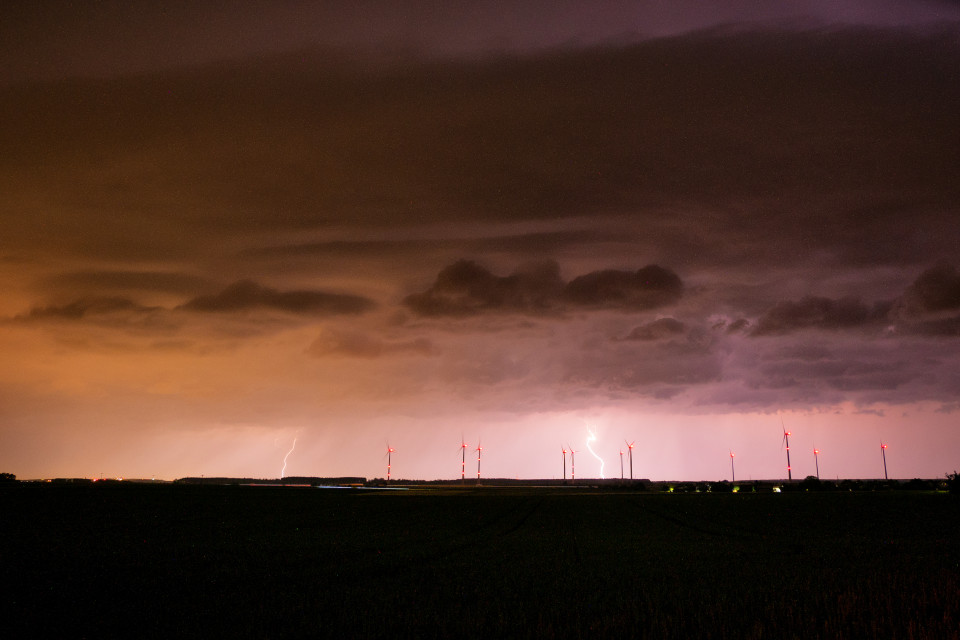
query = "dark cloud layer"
{"x": 814, "y": 312}
{"x": 524, "y": 243}
{"x": 648, "y": 288}
{"x": 936, "y": 289}
{"x": 86, "y": 308}
{"x": 466, "y": 288}
{"x": 808, "y": 149}
{"x": 127, "y": 280}
{"x": 58, "y": 37}
{"x": 359, "y": 345}
{"x": 658, "y": 330}
{"x": 927, "y": 306}
{"x": 237, "y": 298}
{"x": 247, "y": 294}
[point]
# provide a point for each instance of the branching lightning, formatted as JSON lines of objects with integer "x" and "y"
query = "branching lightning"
{"x": 284, "y": 469}
{"x": 590, "y": 439}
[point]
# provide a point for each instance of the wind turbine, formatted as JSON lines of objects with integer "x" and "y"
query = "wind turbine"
{"x": 463, "y": 459}
{"x": 816, "y": 460}
{"x": 621, "y": 464}
{"x": 564, "y": 451}
{"x": 883, "y": 452}
{"x": 573, "y": 464}
{"x": 733, "y": 474}
{"x": 390, "y": 451}
{"x": 630, "y": 455}
{"x": 786, "y": 440}
{"x": 479, "y": 451}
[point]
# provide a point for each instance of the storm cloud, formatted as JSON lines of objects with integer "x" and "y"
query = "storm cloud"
{"x": 426, "y": 242}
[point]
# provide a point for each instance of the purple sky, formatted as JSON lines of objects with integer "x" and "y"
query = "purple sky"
{"x": 229, "y": 225}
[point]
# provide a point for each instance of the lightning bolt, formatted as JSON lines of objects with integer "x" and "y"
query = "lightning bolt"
{"x": 284, "y": 470}
{"x": 592, "y": 438}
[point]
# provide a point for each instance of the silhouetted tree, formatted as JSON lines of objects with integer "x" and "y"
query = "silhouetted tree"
{"x": 917, "y": 484}
{"x": 851, "y": 485}
{"x": 7, "y": 477}
{"x": 721, "y": 487}
{"x": 953, "y": 483}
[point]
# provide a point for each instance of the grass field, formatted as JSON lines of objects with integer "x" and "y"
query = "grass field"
{"x": 254, "y": 562}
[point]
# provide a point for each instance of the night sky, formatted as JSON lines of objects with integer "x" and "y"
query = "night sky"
{"x": 226, "y": 226}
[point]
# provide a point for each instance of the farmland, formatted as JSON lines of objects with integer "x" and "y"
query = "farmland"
{"x": 257, "y": 562}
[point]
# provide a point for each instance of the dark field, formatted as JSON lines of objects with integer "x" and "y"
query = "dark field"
{"x": 254, "y": 562}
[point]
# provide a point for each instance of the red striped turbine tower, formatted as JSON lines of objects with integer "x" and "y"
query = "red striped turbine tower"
{"x": 463, "y": 460}
{"x": 390, "y": 451}
{"x": 479, "y": 451}
{"x": 786, "y": 441}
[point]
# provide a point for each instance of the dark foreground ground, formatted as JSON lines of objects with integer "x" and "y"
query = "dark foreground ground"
{"x": 245, "y": 562}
